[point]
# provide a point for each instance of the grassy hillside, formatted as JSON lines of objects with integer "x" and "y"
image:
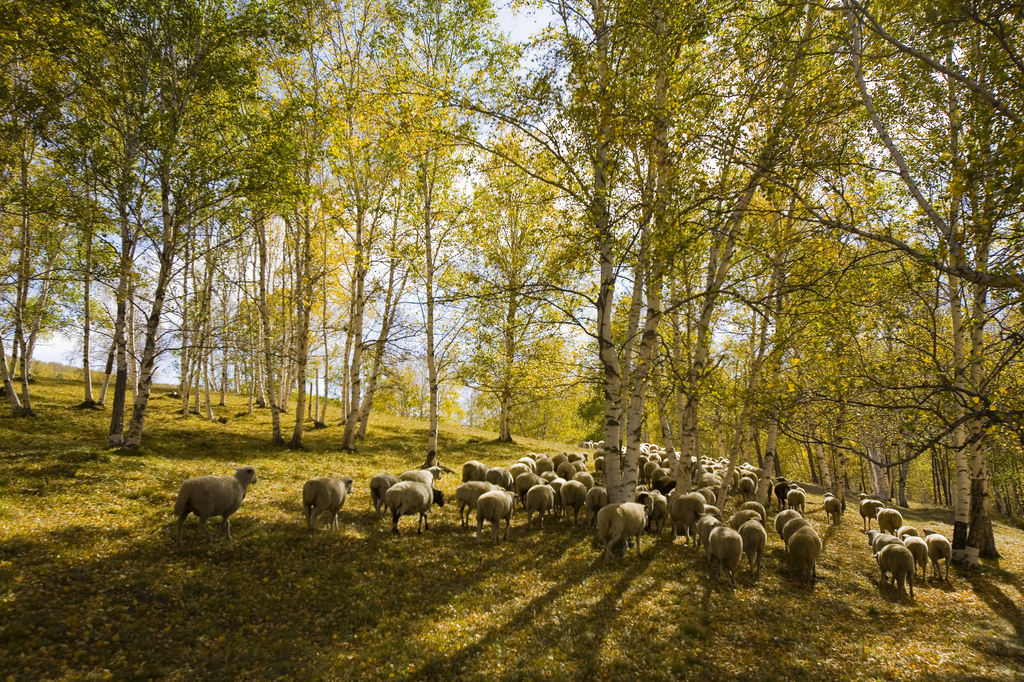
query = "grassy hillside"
{"x": 92, "y": 585}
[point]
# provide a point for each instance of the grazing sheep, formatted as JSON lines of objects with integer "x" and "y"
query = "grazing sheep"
{"x": 579, "y": 466}
{"x": 573, "y": 496}
{"x": 742, "y": 516}
{"x": 889, "y": 520}
{"x": 379, "y": 485}
{"x": 919, "y": 548}
{"x": 559, "y": 459}
{"x": 706, "y": 524}
{"x": 599, "y": 466}
{"x": 647, "y": 469}
{"x": 467, "y": 496}
{"x": 501, "y": 477}
{"x": 868, "y": 510}
{"x": 879, "y": 540}
{"x": 747, "y": 487}
{"x": 524, "y": 483}
{"x": 685, "y": 510}
{"x": 597, "y": 497}
{"x": 425, "y": 476}
{"x": 556, "y": 487}
{"x": 517, "y": 470}
{"x": 494, "y": 506}
{"x": 726, "y": 546}
{"x": 566, "y": 470}
{"x": 529, "y": 462}
{"x": 709, "y": 495}
{"x": 665, "y": 485}
{"x": 406, "y": 498}
{"x": 585, "y": 478}
{"x": 784, "y": 517}
{"x": 619, "y": 521}
{"x": 939, "y": 548}
{"x": 474, "y": 471}
{"x": 796, "y": 499}
{"x": 792, "y": 527}
{"x": 905, "y": 531}
{"x": 834, "y": 508}
{"x": 660, "y": 513}
{"x": 207, "y": 496}
{"x": 323, "y": 494}
{"x": 714, "y": 511}
{"x": 544, "y": 465}
{"x": 781, "y": 491}
{"x": 538, "y": 500}
{"x": 754, "y": 540}
{"x": 897, "y": 560}
{"x": 758, "y": 507}
{"x": 805, "y": 546}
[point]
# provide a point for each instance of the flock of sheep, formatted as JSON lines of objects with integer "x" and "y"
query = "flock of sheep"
{"x": 561, "y": 484}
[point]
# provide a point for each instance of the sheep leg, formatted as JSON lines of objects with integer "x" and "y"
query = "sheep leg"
{"x": 394, "y": 521}
{"x": 508, "y": 522}
{"x": 479, "y": 529}
{"x": 181, "y": 522}
{"x": 334, "y": 521}
{"x": 638, "y": 552}
{"x": 225, "y": 527}
{"x": 497, "y": 529}
{"x": 202, "y": 527}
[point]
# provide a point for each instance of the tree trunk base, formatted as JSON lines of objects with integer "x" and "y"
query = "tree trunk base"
{"x": 505, "y": 439}
{"x": 24, "y": 412}
{"x": 321, "y": 425}
{"x": 88, "y": 405}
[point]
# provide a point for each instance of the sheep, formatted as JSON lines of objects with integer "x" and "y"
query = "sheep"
{"x": 619, "y": 521}
{"x": 714, "y": 511}
{"x": 556, "y": 487}
{"x": 524, "y": 483}
{"x": 834, "y": 508}
{"x": 919, "y": 548}
{"x": 879, "y": 540}
{"x": 425, "y": 476}
{"x": 868, "y": 509}
{"x": 474, "y": 471}
{"x": 566, "y": 470}
{"x": 323, "y": 494}
{"x": 597, "y": 497}
{"x": 904, "y": 531}
{"x": 805, "y": 546}
{"x": 742, "y": 516}
{"x": 494, "y": 506}
{"x": 747, "y": 487}
{"x": 579, "y": 466}
{"x": 379, "y": 485}
{"x": 538, "y": 499}
{"x": 792, "y": 527}
{"x": 939, "y": 548}
{"x": 500, "y": 476}
{"x": 585, "y": 478}
{"x": 573, "y": 496}
{"x": 665, "y": 485}
{"x": 781, "y": 491}
{"x": 756, "y": 506}
{"x": 647, "y": 469}
{"x": 530, "y": 463}
{"x": 599, "y": 466}
{"x": 754, "y": 540}
{"x": 660, "y": 514}
{"x": 559, "y": 459}
{"x": 784, "y": 517}
{"x": 517, "y": 470}
{"x": 709, "y": 495}
{"x": 406, "y": 498}
{"x": 549, "y": 476}
{"x": 898, "y": 561}
{"x": 706, "y": 524}
{"x": 544, "y": 464}
{"x": 889, "y": 520}
{"x": 207, "y": 496}
{"x": 467, "y": 496}
{"x": 685, "y": 510}
{"x": 725, "y": 545}
{"x": 796, "y": 499}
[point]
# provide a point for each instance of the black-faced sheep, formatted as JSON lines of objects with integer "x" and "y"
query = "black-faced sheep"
{"x": 406, "y": 498}
{"x": 324, "y": 494}
{"x": 726, "y": 547}
{"x": 494, "y": 506}
{"x": 620, "y": 521}
{"x": 897, "y": 560}
{"x": 207, "y": 496}
{"x": 781, "y": 491}
{"x": 379, "y": 485}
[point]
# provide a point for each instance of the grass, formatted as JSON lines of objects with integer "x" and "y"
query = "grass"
{"x": 92, "y": 585}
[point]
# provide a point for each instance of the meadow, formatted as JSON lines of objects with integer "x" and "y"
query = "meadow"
{"x": 92, "y": 585}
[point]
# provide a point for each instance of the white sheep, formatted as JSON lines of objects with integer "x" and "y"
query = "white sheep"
{"x": 585, "y": 478}
{"x": 517, "y": 470}
{"x": 684, "y": 511}
{"x": 758, "y": 507}
{"x": 939, "y": 548}
{"x": 754, "y": 540}
{"x": 566, "y": 470}
{"x": 500, "y": 476}
{"x": 834, "y": 508}
{"x": 742, "y": 516}
{"x": 889, "y": 520}
{"x": 538, "y": 500}
{"x": 747, "y": 487}
{"x": 805, "y": 546}
{"x": 406, "y": 498}
{"x": 544, "y": 465}
{"x": 556, "y": 488}
{"x": 879, "y": 540}
{"x": 706, "y": 524}
{"x": 796, "y": 499}
{"x": 898, "y": 561}
{"x": 523, "y": 484}
{"x": 726, "y": 546}
{"x": 494, "y": 506}
{"x": 424, "y": 476}
{"x": 597, "y": 497}
{"x": 868, "y": 510}
{"x": 467, "y": 495}
{"x": 904, "y": 531}
{"x": 784, "y": 517}
{"x": 919, "y": 548}
{"x": 574, "y": 496}
{"x": 474, "y": 471}
{"x": 792, "y": 527}
{"x": 207, "y": 496}
{"x": 619, "y": 521}
{"x": 324, "y": 494}
{"x": 379, "y": 485}
{"x": 659, "y": 515}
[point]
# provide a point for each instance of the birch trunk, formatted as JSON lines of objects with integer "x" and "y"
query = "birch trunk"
{"x": 348, "y": 440}
{"x": 87, "y": 400}
{"x": 268, "y": 355}
{"x": 304, "y": 283}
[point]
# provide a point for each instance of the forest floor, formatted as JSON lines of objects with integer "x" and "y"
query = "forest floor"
{"x": 92, "y": 585}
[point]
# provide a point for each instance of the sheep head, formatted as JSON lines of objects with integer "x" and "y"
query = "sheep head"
{"x": 246, "y": 475}
{"x": 438, "y": 498}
